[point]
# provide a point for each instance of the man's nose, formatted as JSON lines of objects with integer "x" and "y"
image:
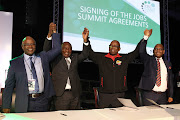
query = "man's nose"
{"x": 67, "y": 50}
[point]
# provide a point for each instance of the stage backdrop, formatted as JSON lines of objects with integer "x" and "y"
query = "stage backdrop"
{"x": 107, "y": 20}
{"x": 6, "y": 22}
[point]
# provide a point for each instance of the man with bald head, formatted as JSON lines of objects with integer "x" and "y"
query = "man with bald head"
{"x": 113, "y": 72}
{"x": 29, "y": 75}
{"x": 157, "y": 79}
{"x": 65, "y": 76}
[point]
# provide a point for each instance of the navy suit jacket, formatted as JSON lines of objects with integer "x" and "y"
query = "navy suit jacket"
{"x": 17, "y": 78}
{"x": 148, "y": 78}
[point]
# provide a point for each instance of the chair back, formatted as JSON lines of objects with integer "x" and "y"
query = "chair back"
{"x": 96, "y": 96}
{"x": 139, "y": 96}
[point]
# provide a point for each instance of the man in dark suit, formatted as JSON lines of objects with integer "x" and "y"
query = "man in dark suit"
{"x": 113, "y": 71}
{"x": 65, "y": 76}
{"x": 157, "y": 78}
{"x": 29, "y": 75}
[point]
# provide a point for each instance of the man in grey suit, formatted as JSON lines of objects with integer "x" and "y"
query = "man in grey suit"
{"x": 29, "y": 75}
{"x": 65, "y": 76}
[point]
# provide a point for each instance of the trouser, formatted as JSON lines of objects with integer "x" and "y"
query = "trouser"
{"x": 39, "y": 104}
{"x": 158, "y": 97}
{"x": 110, "y": 100}
{"x": 67, "y": 101}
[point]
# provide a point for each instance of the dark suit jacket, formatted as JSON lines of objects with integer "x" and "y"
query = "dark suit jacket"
{"x": 148, "y": 78}
{"x": 60, "y": 72}
{"x": 17, "y": 78}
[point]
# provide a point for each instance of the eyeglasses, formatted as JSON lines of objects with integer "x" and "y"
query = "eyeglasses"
{"x": 115, "y": 46}
{"x": 29, "y": 44}
{"x": 158, "y": 49}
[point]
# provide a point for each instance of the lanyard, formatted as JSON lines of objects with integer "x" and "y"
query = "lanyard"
{"x": 30, "y": 63}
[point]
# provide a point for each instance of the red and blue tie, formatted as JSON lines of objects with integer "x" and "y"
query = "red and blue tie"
{"x": 158, "y": 80}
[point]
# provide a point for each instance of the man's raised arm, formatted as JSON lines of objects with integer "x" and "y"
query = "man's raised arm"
{"x": 48, "y": 41}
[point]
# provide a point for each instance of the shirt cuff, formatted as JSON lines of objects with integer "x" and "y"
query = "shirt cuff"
{"x": 86, "y": 44}
{"x": 50, "y": 38}
{"x": 145, "y": 37}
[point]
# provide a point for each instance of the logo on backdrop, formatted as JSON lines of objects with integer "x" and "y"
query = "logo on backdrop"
{"x": 148, "y": 7}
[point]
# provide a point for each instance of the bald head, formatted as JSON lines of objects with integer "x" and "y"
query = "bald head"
{"x": 66, "y": 49}
{"x": 66, "y": 43}
{"x": 159, "y": 45}
{"x": 114, "y": 47}
{"x": 27, "y": 38}
{"x": 28, "y": 45}
{"x": 115, "y": 42}
{"x": 159, "y": 50}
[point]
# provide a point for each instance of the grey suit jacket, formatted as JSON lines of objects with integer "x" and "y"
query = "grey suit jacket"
{"x": 17, "y": 78}
{"x": 60, "y": 71}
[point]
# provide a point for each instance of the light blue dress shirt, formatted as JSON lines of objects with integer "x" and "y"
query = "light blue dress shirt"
{"x": 39, "y": 70}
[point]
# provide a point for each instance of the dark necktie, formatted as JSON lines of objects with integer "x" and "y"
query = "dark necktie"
{"x": 158, "y": 80}
{"x": 33, "y": 70}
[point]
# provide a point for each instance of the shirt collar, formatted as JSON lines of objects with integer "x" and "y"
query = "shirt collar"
{"x": 158, "y": 58}
{"x": 67, "y": 58}
{"x": 112, "y": 57}
{"x": 26, "y": 57}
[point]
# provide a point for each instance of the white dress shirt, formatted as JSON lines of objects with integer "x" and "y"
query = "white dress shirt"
{"x": 68, "y": 84}
{"x": 39, "y": 70}
{"x": 163, "y": 70}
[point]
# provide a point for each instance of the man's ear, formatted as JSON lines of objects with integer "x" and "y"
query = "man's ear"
{"x": 163, "y": 52}
{"x": 119, "y": 49}
{"x": 22, "y": 47}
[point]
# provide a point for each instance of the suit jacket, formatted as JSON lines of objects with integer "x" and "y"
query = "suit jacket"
{"x": 17, "y": 78}
{"x": 148, "y": 78}
{"x": 60, "y": 71}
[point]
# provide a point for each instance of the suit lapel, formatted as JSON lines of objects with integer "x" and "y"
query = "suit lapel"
{"x": 167, "y": 64}
{"x": 72, "y": 61}
{"x": 22, "y": 67}
{"x": 22, "y": 64}
{"x": 64, "y": 63}
{"x": 154, "y": 63}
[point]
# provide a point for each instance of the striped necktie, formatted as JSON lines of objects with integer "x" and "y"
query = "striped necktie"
{"x": 158, "y": 80}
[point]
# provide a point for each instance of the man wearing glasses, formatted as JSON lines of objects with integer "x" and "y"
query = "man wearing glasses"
{"x": 157, "y": 78}
{"x": 113, "y": 71}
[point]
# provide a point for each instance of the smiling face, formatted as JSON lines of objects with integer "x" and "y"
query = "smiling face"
{"x": 159, "y": 50}
{"x": 66, "y": 49}
{"x": 114, "y": 47}
{"x": 28, "y": 45}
